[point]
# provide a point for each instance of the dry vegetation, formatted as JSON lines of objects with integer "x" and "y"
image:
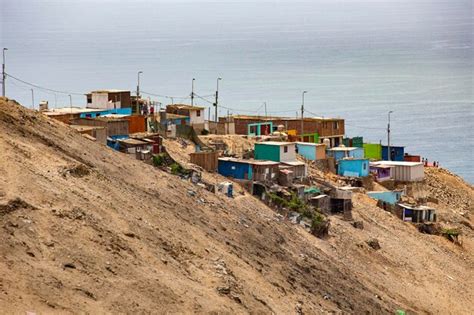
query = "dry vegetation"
{"x": 87, "y": 229}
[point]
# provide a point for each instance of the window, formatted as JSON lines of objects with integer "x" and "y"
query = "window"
{"x": 198, "y": 113}
{"x": 336, "y": 125}
{"x": 285, "y": 149}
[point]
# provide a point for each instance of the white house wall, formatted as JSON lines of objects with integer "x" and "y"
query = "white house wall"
{"x": 288, "y": 156}
{"x": 194, "y": 118}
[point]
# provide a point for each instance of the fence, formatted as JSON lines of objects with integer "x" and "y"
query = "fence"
{"x": 206, "y": 160}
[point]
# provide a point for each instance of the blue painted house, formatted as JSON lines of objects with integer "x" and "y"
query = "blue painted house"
{"x": 275, "y": 151}
{"x": 311, "y": 151}
{"x": 397, "y": 153}
{"x": 248, "y": 169}
{"x": 353, "y": 167}
{"x": 339, "y": 153}
{"x": 391, "y": 197}
{"x": 234, "y": 168}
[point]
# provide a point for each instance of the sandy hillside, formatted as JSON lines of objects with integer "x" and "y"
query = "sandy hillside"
{"x": 88, "y": 229}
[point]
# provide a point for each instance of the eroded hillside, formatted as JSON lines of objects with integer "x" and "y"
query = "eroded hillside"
{"x": 88, "y": 229}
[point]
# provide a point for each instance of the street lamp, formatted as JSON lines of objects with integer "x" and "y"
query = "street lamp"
{"x": 32, "y": 99}
{"x": 388, "y": 137}
{"x": 192, "y": 92}
{"x": 4, "y": 76}
{"x": 138, "y": 90}
{"x": 217, "y": 97}
{"x": 302, "y": 110}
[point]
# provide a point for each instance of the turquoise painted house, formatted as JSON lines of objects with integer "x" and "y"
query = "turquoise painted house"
{"x": 275, "y": 151}
{"x": 339, "y": 153}
{"x": 391, "y": 197}
{"x": 353, "y": 167}
{"x": 260, "y": 129}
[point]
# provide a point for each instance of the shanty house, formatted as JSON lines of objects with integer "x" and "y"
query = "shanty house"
{"x": 416, "y": 214}
{"x": 195, "y": 114}
{"x": 298, "y": 168}
{"x": 339, "y": 153}
{"x": 381, "y": 172}
{"x": 260, "y": 129}
{"x": 405, "y": 171}
{"x": 94, "y": 113}
{"x": 312, "y": 151}
{"x": 109, "y": 99}
{"x": 115, "y": 126}
{"x": 275, "y": 151}
{"x": 396, "y": 153}
{"x": 97, "y": 132}
{"x": 353, "y": 167}
{"x": 372, "y": 151}
{"x": 262, "y": 171}
{"x": 391, "y": 197}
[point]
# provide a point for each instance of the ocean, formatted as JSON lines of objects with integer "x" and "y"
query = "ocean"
{"x": 357, "y": 60}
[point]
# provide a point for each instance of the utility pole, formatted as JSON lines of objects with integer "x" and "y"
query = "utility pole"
{"x": 389, "y": 156}
{"x": 137, "y": 109}
{"x": 4, "y": 76}
{"x": 265, "y": 104}
{"x": 302, "y": 111}
{"x": 70, "y": 102}
{"x": 32, "y": 99}
{"x": 192, "y": 92}
{"x": 217, "y": 100}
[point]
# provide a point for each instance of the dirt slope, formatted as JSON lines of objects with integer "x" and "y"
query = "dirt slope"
{"x": 87, "y": 229}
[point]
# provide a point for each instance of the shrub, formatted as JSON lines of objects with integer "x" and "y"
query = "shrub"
{"x": 177, "y": 169}
{"x": 159, "y": 160}
{"x": 319, "y": 225}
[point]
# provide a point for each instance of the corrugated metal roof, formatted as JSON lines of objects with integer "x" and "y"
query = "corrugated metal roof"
{"x": 253, "y": 162}
{"x": 397, "y": 163}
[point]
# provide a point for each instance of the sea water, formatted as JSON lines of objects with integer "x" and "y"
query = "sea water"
{"x": 357, "y": 60}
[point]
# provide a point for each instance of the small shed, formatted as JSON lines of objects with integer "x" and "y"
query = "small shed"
{"x": 417, "y": 214}
{"x": 405, "y": 171}
{"x": 275, "y": 151}
{"x": 391, "y": 197}
{"x": 321, "y": 202}
{"x": 205, "y": 159}
{"x": 353, "y": 167}
{"x": 133, "y": 145}
{"x": 396, "y": 153}
{"x": 312, "y": 151}
{"x": 381, "y": 172}
{"x": 339, "y": 153}
{"x": 298, "y": 168}
{"x": 97, "y": 132}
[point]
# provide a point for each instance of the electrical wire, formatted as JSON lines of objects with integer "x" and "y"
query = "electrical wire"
{"x": 41, "y": 87}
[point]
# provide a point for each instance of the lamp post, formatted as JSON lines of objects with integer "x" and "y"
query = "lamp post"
{"x": 302, "y": 111}
{"x": 4, "y": 76}
{"x": 388, "y": 137}
{"x": 217, "y": 98}
{"x": 192, "y": 92}
{"x": 138, "y": 90}
{"x": 32, "y": 99}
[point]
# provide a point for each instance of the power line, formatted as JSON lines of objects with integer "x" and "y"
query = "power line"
{"x": 41, "y": 87}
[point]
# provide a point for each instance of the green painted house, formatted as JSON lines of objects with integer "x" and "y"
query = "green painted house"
{"x": 373, "y": 151}
{"x": 275, "y": 151}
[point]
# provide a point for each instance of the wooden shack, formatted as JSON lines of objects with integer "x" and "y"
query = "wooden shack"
{"x": 208, "y": 160}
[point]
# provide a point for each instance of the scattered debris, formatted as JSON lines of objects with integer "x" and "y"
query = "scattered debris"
{"x": 374, "y": 243}
{"x": 13, "y": 205}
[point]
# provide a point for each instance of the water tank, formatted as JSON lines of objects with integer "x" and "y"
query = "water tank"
{"x": 327, "y": 142}
{"x": 281, "y": 128}
{"x": 43, "y": 106}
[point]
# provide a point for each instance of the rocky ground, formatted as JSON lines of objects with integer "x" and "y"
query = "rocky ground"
{"x": 88, "y": 229}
